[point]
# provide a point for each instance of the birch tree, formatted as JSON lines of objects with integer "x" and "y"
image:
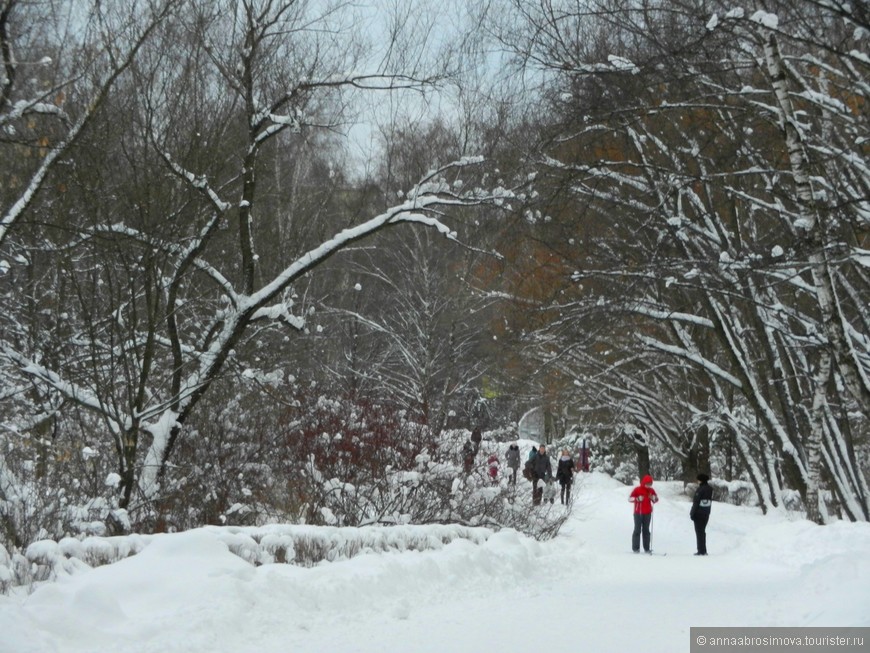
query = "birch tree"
{"x": 716, "y": 160}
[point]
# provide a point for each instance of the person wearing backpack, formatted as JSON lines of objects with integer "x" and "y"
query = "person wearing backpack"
{"x": 642, "y": 497}
{"x": 529, "y": 467}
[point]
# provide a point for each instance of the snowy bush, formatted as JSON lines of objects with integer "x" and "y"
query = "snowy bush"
{"x": 314, "y": 458}
{"x": 6, "y": 575}
{"x": 53, "y": 488}
{"x": 333, "y": 461}
{"x": 302, "y": 545}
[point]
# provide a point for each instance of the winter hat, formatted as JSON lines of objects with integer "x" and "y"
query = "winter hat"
{"x": 646, "y": 479}
{"x": 703, "y": 478}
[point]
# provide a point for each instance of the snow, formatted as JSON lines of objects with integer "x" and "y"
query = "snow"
{"x": 771, "y": 21}
{"x": 620, "y": 63}
{"x": 188, "y": 593}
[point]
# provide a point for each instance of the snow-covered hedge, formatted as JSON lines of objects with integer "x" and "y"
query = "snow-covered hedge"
{"x": 309, "y": 545}
{"x": 294, "y": 544}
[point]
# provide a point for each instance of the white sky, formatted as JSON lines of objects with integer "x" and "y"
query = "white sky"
{"x": 438, "y": 26}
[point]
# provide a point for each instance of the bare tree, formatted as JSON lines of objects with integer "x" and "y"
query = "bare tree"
{"x": 162, "y": 241}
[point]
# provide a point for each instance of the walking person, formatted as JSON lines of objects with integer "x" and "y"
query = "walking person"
{"x": 512, "y": 457}
{"x": 476, "y": 437}
{"x": 643, "y": 497}
{"x": 700, "y": 512}
{"x": 529, "y": 467}
{"x": 492, "y": 466}
{"x": 542, "y": 470}
{"x": 565, "y": 476}
{"x": 468, "y": 456}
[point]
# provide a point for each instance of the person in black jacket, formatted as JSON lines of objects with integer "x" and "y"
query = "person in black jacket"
{"x": 542, "y": 470}
{"x": 513, "y": 461}
{"x": 476, "y": 437}
{"x": 700, "y": 512}
{"x": 565, "y": 476}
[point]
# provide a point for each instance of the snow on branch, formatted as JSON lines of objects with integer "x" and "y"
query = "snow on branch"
{"x": 433, "y": 191}
{"x": 428, "y": 221}
{"x": 120, "y": 65}
{"x": 71, "y": 391}
{"x": 161, "y": 433}
{"x": 198, "y": 182}
{"x": 281, "y": 313}
{"x": 671, "y": 315}
{"x": 420, "y": 206}
{"x": 615, "y": 64}
{"x": 279, "y": 123}
{"x": 182, "y": 252}
{"x": 26, "y": 107}
{"x": 26, "y": 198}
{"x": 693, "y": 357}
{"x": 367, "y": 82}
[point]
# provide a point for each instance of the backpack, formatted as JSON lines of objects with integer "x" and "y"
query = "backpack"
{"x": 527, "y": 470}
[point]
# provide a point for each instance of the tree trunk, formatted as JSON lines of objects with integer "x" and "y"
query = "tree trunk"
{"x": 813, "y": 445}
{"x": 641, "y": 449}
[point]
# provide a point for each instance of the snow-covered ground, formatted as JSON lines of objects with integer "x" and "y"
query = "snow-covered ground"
{"x": 583, "y": 591}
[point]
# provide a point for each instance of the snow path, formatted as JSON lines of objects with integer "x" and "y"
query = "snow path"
{"x": 583, "y": 591}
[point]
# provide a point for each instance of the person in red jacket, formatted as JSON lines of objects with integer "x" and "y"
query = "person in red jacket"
{"x": 492, "y": 467}
{"x": 642, "y": 497}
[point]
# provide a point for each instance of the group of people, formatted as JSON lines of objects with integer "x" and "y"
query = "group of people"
{"x": 644, "y": 496}
{"x": 539, "y": 470}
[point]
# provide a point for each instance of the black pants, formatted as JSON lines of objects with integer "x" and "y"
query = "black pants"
{"x": 513, "y": 476}
{"x": 565, "y": 493}
{"x": 701, "y": 531}
{"x": 641, "y": 525}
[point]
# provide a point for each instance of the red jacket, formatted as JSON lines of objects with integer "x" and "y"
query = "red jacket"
{"x": 643, "y": 497}
{"x": 493, "y": 465}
